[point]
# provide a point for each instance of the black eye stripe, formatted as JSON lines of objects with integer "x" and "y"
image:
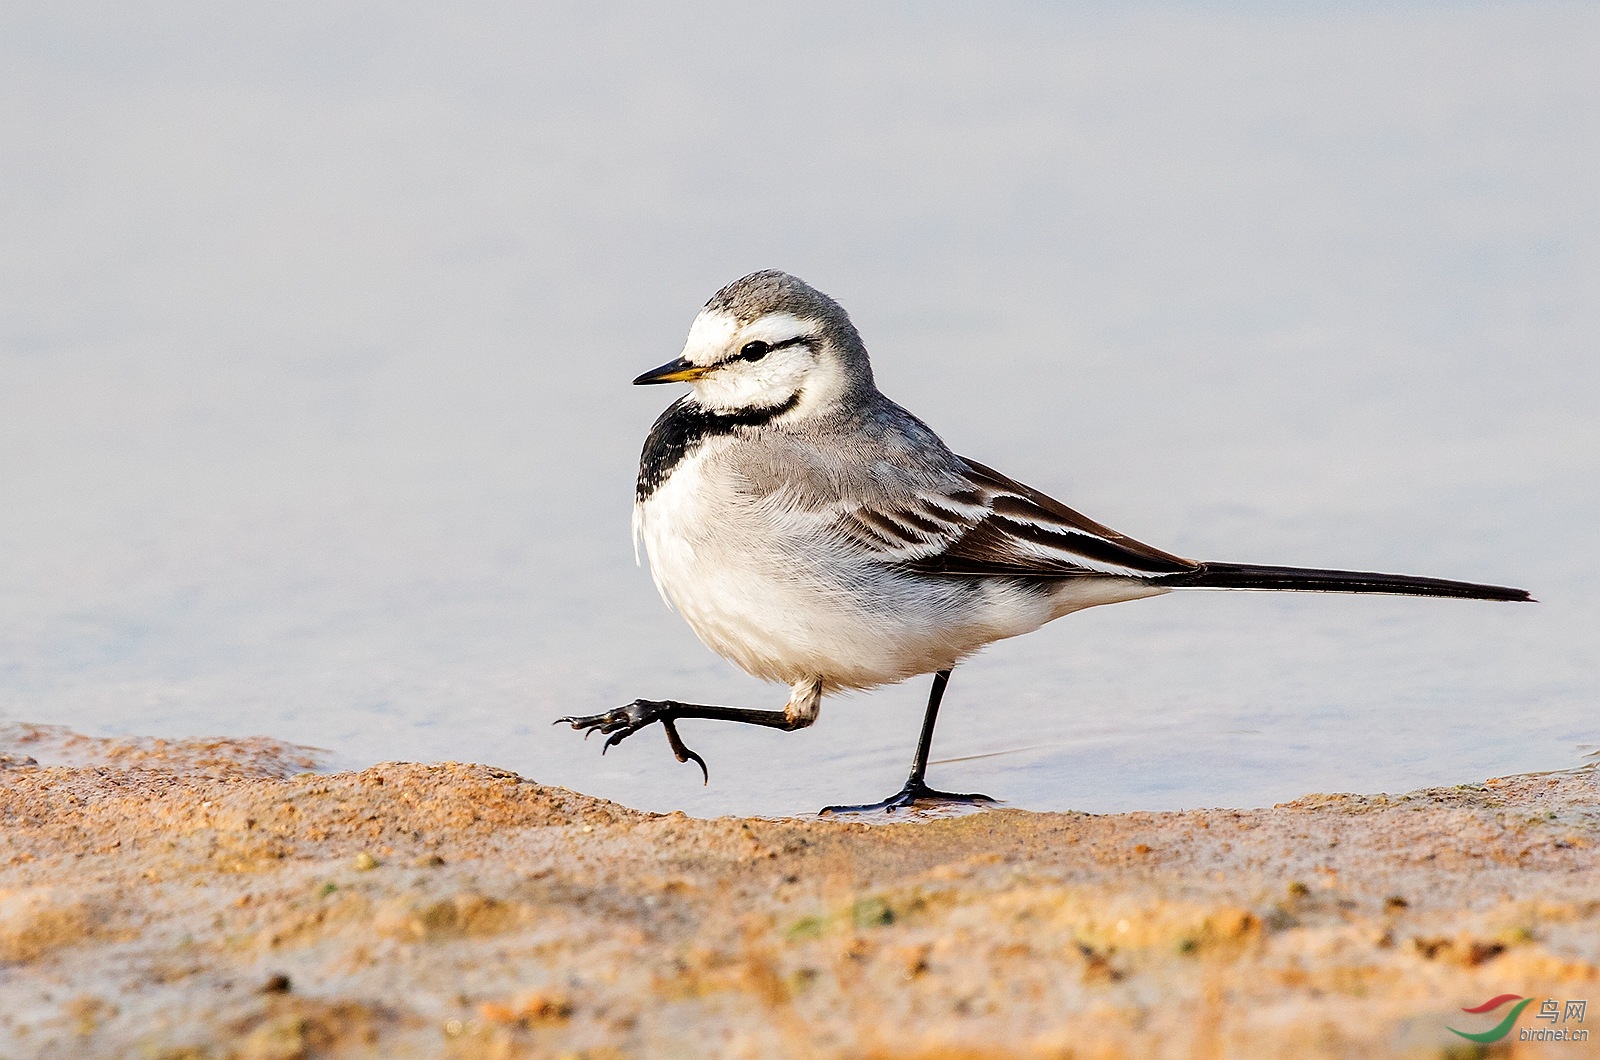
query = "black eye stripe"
{"x": 757, "y": 349}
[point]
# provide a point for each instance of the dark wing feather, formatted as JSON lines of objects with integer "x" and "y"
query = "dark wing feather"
{"x": 994, "y": 526}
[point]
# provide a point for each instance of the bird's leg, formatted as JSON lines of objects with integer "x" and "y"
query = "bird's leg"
{"x": 622, "y": 722}
{"x": 916, "y": 791}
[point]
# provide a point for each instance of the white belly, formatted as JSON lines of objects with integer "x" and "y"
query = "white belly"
{"x": 789, "y": 607}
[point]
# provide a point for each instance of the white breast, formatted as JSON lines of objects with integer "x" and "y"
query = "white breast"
{"x": 714, "y": 563}
{"x": 766, "y": 590}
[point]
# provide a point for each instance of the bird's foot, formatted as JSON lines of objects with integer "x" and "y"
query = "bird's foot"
{"x": 914, "y": 796}
{"x": 622, "y": 722}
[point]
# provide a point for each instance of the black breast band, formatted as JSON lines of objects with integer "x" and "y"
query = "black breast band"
{"x": 682, "y": 428}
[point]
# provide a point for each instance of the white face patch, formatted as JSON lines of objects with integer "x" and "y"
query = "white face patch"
{"x": 738, "y": 383}
{"x": 709, "y": 337}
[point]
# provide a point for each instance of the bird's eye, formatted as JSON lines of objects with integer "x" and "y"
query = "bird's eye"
{"x": 754, "y": 351}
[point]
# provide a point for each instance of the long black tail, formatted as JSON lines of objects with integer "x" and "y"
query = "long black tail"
{"x": 1305, "y": 579}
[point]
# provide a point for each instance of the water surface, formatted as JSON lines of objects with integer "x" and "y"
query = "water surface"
{"x": 317, "y": 326}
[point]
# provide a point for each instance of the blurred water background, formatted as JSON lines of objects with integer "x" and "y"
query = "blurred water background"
{"x": 317, "y": 322}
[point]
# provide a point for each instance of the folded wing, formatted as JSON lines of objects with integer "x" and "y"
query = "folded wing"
{"x": 991, "y": 525}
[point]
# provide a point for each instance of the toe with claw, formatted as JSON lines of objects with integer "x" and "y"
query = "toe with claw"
{"x": 622, "y": 722}
{"x": 915, "y": 795}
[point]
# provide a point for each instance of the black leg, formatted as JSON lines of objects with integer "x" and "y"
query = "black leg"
{"x": 623, "y": 722}
{"x": 916, "y": 790}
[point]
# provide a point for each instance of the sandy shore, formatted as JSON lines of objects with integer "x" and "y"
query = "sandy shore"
{"x": 212, "y": 899}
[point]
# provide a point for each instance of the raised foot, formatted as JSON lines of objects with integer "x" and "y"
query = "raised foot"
{"x": 622, "y": 722}
{"x": 914, "y": 796}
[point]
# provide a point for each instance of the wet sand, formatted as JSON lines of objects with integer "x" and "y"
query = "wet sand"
{"x": 214, "y": 899}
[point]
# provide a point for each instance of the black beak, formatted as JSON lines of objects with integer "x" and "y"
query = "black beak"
{"x": 678, "y": 371}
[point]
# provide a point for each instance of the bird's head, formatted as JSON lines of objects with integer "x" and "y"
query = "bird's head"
{"x": 770, "y": 341}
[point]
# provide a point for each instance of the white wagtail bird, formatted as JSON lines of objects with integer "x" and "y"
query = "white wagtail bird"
{"x": 815, "y": 533}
